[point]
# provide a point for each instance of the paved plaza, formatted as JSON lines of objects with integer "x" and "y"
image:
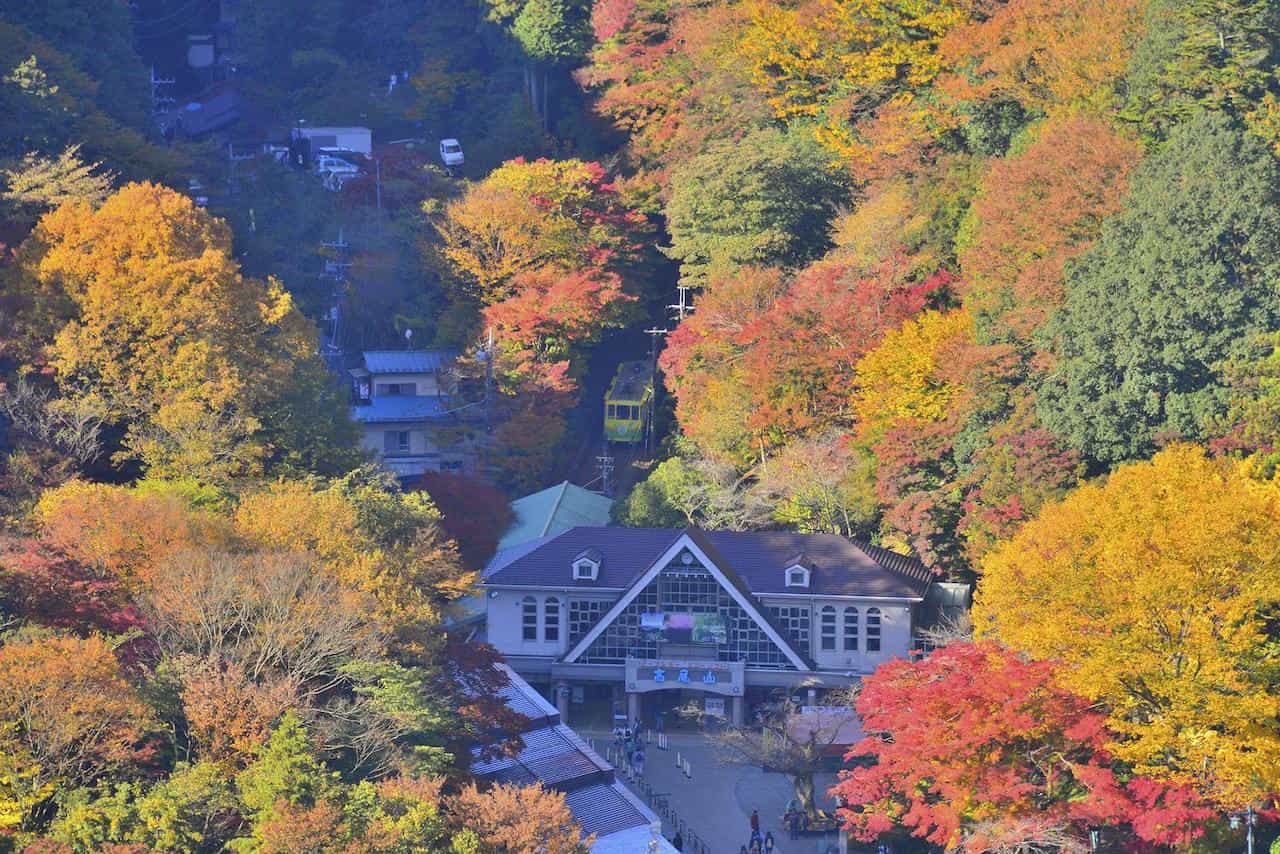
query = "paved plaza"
{"x": 716, "y": 802}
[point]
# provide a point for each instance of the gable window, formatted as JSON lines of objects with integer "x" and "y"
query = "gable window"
{"x": 798, "y": 576}
{"x": 396, "y": 442}
{"x": 586, "y": 566}
{"x": 873, "y": 630}
{"x": 551, "y": 623}
{"x": 529, "y": 618}
{"x": 611, "y": 410}
{"x": 850, "y": 629}
{"x": 828, "y": 624}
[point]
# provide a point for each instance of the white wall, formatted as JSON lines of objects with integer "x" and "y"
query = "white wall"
{"x": 426, "y": 383}
{"x": 506, "y": 623}
{"x": 895, "y": 633}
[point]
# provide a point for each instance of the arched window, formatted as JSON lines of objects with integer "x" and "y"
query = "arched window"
{"x": 551, "y": 616}
{"x": 529, "y": 618}
{"x": 828, "y": 624}
{"x": 850, "y": 629}
{"x": 873, "y": 630}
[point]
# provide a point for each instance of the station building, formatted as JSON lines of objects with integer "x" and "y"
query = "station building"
{"x": 638, "y": 621}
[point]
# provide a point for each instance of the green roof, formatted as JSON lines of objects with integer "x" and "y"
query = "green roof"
{"x": 553, "y": 510}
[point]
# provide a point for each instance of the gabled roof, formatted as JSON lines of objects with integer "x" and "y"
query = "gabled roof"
{"x": 840, "y": 567}
{"x": 401, "y": 408}
{"x": 553, "y": 510}
{"x": 407, "y": 361}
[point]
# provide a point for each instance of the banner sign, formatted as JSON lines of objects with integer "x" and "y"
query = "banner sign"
{"x": 684, "y": 627}
{"x": 716, "y": 677}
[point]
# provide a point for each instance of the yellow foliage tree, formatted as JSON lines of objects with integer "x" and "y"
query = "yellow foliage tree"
{"x": 1158, "y": 589}
{"x": 902, "y": 377}
{"x": 837, "y": 61}
{"x": 210, "y": 372}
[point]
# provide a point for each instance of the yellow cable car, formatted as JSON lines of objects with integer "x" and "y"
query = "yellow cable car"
{"x": 628, "y": 402}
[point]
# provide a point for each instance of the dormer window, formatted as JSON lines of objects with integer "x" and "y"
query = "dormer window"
{"x": 586, "y": 566}
{"x": 797, "y": 576}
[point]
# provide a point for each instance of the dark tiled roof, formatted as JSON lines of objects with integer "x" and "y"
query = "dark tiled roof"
{"x": 758, "y": 559}
{"x": 602, "y": 809}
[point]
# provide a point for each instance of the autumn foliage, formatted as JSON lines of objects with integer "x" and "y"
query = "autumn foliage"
{"x": 977, "y": 748}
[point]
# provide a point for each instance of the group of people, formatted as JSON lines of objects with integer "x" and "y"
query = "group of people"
{"x": 628, "y": 739}
{"x": 758, "y": 844}
{"x": 796, "y": 820}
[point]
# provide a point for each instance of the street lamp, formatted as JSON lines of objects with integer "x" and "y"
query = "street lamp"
{"x": 1248, "y": 818}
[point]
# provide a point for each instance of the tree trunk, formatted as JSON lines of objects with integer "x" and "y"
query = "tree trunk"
{"x": 803, "y": 784}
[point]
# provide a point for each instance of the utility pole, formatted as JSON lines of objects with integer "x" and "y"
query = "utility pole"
{"x": 335, "y": 271}
{"x": 654, "y": 334}
{"x": 606, "y": 472}
{"x": 683, "y": 307}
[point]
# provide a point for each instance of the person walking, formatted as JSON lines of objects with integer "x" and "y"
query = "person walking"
{"x": 769, "y": 843}
{"x": 677, "y": 841}
{"x": 755, "y": 822}
{"x": 638, "y": 761}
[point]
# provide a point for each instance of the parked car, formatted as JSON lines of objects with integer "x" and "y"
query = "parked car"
{"x": 451, "y": 152}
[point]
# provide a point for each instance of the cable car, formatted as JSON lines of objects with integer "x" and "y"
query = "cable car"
{"x": 627, "y": 403}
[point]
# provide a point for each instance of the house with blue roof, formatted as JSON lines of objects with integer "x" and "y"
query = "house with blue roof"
{"x": 403, "y": 401}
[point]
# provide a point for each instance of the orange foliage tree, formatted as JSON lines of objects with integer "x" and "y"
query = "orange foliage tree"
{"x": 518, "y": 818}
{"x": 1035, "y": 210}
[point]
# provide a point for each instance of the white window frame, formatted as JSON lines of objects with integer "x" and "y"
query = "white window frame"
{"x": 803, "y": 570}
{"x": 592, "y": 573}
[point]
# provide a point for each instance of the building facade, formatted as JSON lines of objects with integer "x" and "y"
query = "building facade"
{"x": 401, "y": 399}
{"x": 652, "y": 618}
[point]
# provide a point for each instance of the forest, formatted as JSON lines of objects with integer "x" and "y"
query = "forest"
{"x": 995, "y": 283}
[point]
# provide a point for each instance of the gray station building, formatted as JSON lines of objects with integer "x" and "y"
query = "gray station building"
{"x": 643, "y": 620}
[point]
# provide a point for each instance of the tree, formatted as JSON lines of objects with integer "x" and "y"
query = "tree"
{"x": 1156, "y": 589}
{"x": 838, "y": 61}
{"x": 228, "y": 715}
{"x": 792, "y": 741}
{"x": 766, "y": 199}
{"x": 509, "y": 818}
{"x": 687, "y": 490}
{"x": 1174, "y": 285}
{"x": 976, "y": 748}
{"x": 473, "y": 513}
{"x": 529, "y": 215}
{"x": 40, "y": 184}
{"x": 211, "y": 374}
{"x": 41, "y": 585}
{"x": 1036, "y": 209}
{"x": 1044, "y": 55}
{"x": 1203, "y": 55}
{"x": 68, "y": 717}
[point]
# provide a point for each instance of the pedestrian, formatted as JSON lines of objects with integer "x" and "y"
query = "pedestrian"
{"x": 768, "y": 842}
{"x": 657, "y": 720}
{"x": 743, "y": 850}
{"x": 755, "y": 822}
{"x": 638, "y": 762}
{"x": 677, "y": 841}
{"x": 755, "y": 845}
{"x": 793, "y": 824}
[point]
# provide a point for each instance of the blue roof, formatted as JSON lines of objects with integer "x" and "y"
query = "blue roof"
{"x": 399, "y": 408}
{"x": 553, "y": 510}
{"x": 407, "y": 361}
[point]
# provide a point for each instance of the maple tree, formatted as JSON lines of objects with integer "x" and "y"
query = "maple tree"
{"x": 1155, "y": 588}
{"x": 473, "y": 513}
{"x": 41, "y": 585}
{"x": 977, "y": 748}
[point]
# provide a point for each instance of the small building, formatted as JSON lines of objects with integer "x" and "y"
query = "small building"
{"x": 358, "y": 140}
{"x": 402, "y": 401}
{"x": 666, "y": 617}
{"x": 554, "y": 510}
{"x": 557, "y": 757}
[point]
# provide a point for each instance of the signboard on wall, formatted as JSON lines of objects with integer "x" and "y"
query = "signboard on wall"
{"x": 715, "y": 677}
{"x": 686, "y": 627}
{"x": 714, "y": 706}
